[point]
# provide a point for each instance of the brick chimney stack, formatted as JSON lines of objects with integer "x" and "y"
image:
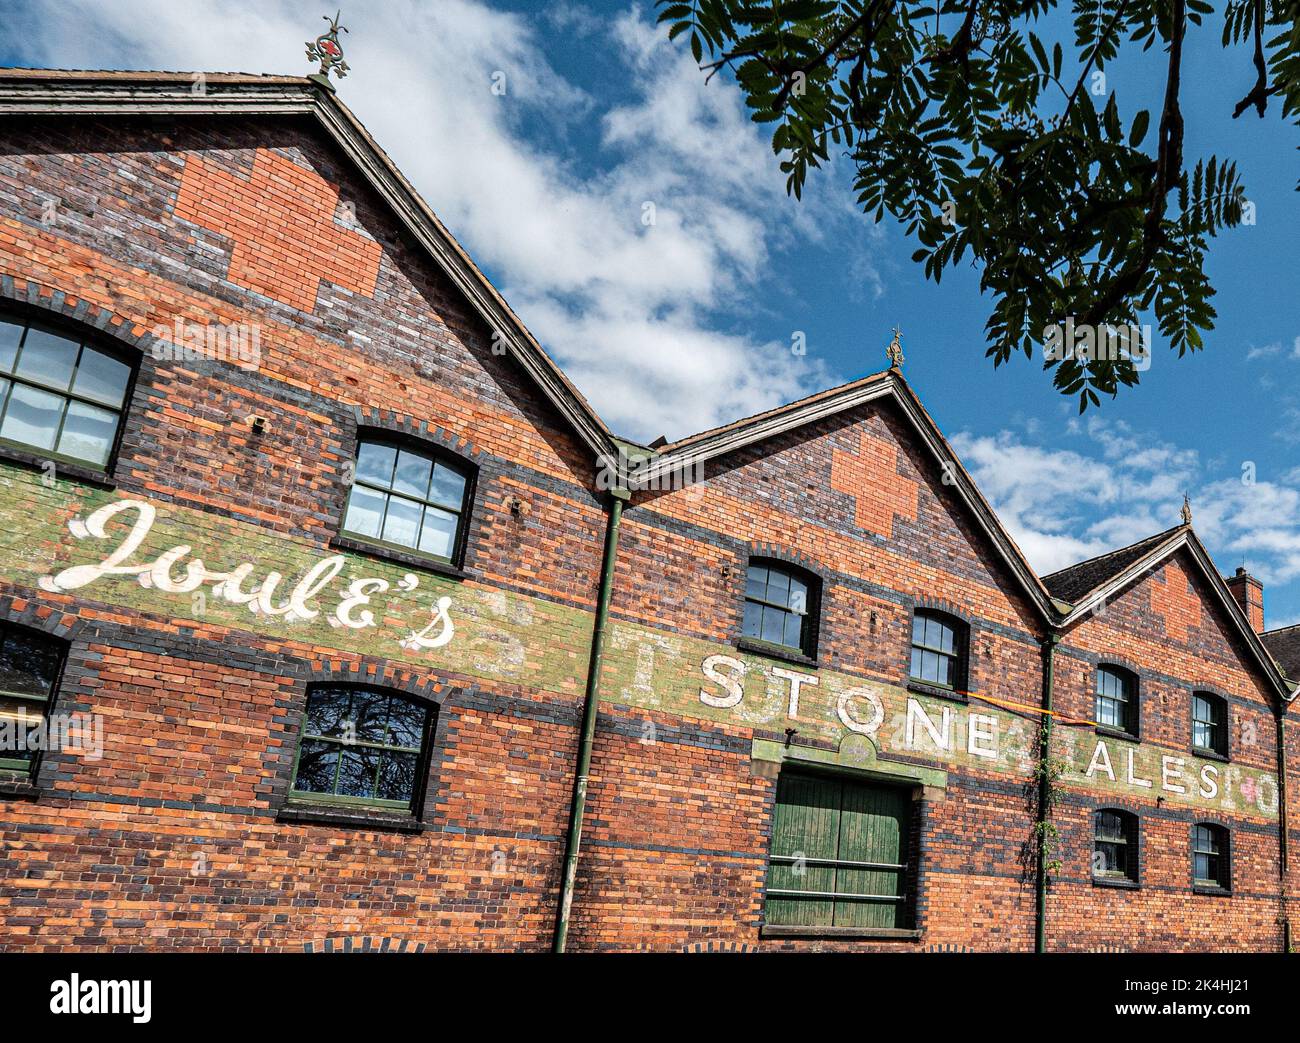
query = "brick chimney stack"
{"x": 1249, "y": 593}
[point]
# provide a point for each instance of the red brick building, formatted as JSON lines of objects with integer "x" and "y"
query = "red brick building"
{"x": 332, "y": 616}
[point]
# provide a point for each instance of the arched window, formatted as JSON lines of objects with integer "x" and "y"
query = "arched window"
{"x": 29, "y": 669}
{"x": 1209, "y": 723}
{"x": 1211, "y": 855}
{"x": 1115, "y": 845}
{"x": 938, "y": 649}
{"x": 362, "y": 746}
{"x": 781, "y": 606}
{"x": 1117, "y": 701}
{"x": 410, "y": 498}
{"x": 59, "y": 395}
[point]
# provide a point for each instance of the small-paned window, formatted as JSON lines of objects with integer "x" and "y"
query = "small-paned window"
{"x": 408, "y": 498}
{"x": 1117, "y": 703}
{"x": 1210, "y": 723}
{"x": 839, "y": 854}
{"x": 779, "y": 607}
{"x": 1210, "y": 856}
{"x": 362, "y": 746}
{"x": 1115, "y": 846}
{"x": 938, "y": 650}
{"x": 29, "y": 669}
{"x": 59, "y": 395}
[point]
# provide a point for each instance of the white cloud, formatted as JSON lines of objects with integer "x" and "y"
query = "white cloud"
{"x": 1269, "y": 351}
{"x": 1117, "y": 486}
{"x": 647, "y": 319}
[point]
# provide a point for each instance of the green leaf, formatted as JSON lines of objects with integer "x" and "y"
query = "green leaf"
{"x": 1139, "y": 131}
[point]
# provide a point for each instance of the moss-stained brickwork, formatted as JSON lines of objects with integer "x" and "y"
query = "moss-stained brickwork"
{"x": 65, "y": 538}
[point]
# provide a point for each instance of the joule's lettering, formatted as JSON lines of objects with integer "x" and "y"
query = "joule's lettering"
{"x": 175, "y": 571}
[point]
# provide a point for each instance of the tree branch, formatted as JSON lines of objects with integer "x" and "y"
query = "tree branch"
{"x": 713, "y": 68}
{"x": 1259, "y": 93}
{"x": 962, "y": 44}
{"x": 1169, "y": 164}
{"x": 866, "y": 18}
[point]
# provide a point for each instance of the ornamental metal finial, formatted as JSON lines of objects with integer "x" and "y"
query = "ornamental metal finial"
{"x": 1187, "y": 510}
{"x": 327, "y": 50}
{"x": 895, "y": 349}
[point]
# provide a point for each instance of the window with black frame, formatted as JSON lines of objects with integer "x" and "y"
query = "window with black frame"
{"x": 59, "y": 395}
{"x": 408, "y": 498}
{"x": 780, "y": 607}
{"x": 938, "y": 650}
{"x": 1115, "y": 847}
{"x": 1209, "y": 723}
{"x": 1116, "y": 703}
{"x": 362, "y": 745}
{"x": 29, "y": 670}
{"x": 1210, "y": 856}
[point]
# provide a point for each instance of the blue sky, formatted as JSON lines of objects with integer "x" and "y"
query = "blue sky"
{"x": 637, "y": 222}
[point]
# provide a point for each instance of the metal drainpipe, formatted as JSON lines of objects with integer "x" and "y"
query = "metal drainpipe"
{"x": 579, "y": 803}
{"x": 1044, "y": 788}
{"x": 1283, "y": 844}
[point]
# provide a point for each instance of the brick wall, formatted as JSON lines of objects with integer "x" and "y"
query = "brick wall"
{"x": 180, "y": 835}
{"x": 174, "y": 837}
{"x": 1167, "y": 630}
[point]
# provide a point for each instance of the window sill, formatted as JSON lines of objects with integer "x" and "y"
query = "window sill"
{"x": 788, "y": 655}
{"x": 1210, "y": 891}
{"x": 1122, "y": 882}
{"x": 922, "y": 688}
{"x": 1211, "y": 755}
{"x": 1117, "y": 733}
{"x": 349, "y": 816}
{"x": 399, "y": 557}
{"x": 861, "y": 933}
{"x": 36, "y": 461}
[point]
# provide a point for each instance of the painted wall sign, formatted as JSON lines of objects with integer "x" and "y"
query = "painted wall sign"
{"x": 351, "y": 606}
{"x": 693, "y": 678}
{"x": 160, "y": 558}
{"x": 70, "y": 539}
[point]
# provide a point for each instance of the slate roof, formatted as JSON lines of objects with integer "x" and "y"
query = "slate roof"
{"x": 1074, "y": 581}
{"x": 1283, "y": 645}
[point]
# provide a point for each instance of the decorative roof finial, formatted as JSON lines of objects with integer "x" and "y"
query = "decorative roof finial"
{"x": 327, "y": 50}
{"x": 895, "y": 349}
{"x": 1187, "y": 510}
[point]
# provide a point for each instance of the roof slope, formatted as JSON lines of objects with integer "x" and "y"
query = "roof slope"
{"x": 1074, "y": 581}
{"x": 1283, "y": 645}
{"x": 689, "y": 441}
{"x": 888, "y": 384}
{"x": 1091, "y": 583}
{"x": 47, "y": 92}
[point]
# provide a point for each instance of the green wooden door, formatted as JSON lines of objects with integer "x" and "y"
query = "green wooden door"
{"x": 805, "y": 829}
{"x": 838, "y": 850}
{"x": 873, "y": 829}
